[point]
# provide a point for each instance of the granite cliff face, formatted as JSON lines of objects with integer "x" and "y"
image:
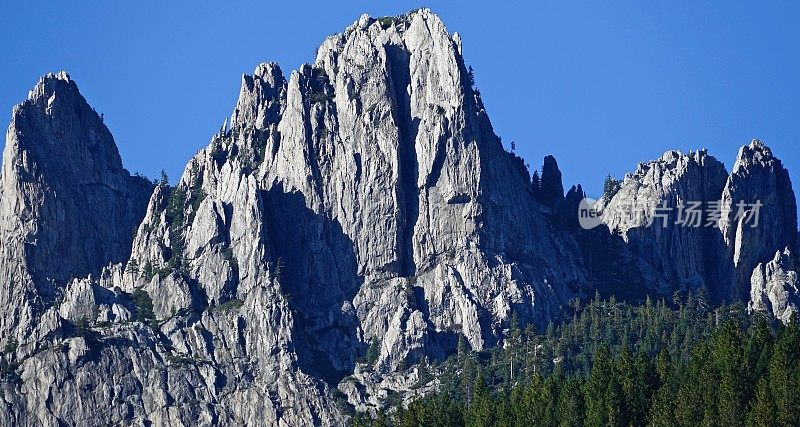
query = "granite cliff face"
{"x": 67, "y": 206}
{"x": 741, "y": 243}
{"x": 757, "y": 176}
{"x": 775, "y": 287}
{"x": 645, "y": 211}
{"x": 350, "y": 219}
{"x": 362, "y": 201}
{"x": 371, "y": 187}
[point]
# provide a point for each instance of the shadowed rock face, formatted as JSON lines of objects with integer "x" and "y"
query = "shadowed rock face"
{"x": 760, "y": 177}
{"x": 730, "y": 254}
{"x": 68, "y": 207}
{"x": 680, "y": 254}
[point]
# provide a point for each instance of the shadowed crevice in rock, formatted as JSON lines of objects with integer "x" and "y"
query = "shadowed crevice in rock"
{"x": 610, "y": 265}
{"x": 438, "y": 161}
{"x": 408, "y": 166}
{"x": 317, "y": 269}
{"x": 318, "y": 85}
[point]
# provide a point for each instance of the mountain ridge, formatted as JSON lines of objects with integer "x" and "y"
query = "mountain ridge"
{"x": 354, "y": 220}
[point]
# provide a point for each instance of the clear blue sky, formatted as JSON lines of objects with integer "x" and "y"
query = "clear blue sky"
{"x": 601, "y": 86}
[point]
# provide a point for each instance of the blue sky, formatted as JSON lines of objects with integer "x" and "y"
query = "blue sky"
{"x": 601, "y": 86}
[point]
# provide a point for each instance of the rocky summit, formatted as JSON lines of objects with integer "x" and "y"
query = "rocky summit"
{"x": 744, "y": 220}
{"x": 350, "y": 220}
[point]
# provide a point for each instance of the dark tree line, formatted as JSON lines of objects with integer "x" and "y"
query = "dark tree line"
{"x": 618, "y": 365}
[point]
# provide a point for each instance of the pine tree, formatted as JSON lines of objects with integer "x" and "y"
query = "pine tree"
{"x": 373, "y": 351}
{"x": 600, "y": 389}
{"x": 470, "y": 372}
{"x": 759, "y": 347}
{"x": 663, "y": 402}
{"x": 627, "y": 381}
{"x": 677, "y": 298}
{"x": 610, "y": 187}
{"x": 503, "y": 408}
{"x": 646, "y": 382}
{"x": 462, "y": 346}
{"x": 481, "y": 409}
{"x": 731, "y": 382}
{"x": 549, "y": 399}
{"x": 762, "y": 413}
{"x": 529, "y": 404}
{"x": 660, "y": 413}
{"x": 536, "y": 184}
{"x": 691, "y": 400}
{"x": 531, "y": 351}
{"x": 471, "y": 76}
{"x": 784, "y": 374}
{"x": 413, "y": 415}
{"x": 702, "y": 299}
{"x": 514, "y": 348}
{"x": 571, "y": 407}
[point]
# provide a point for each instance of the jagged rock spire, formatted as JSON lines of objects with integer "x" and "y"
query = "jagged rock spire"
{"x": 552, "y": 190}
{"x": 758, "y": 178}
{"x": 68, "y": 206}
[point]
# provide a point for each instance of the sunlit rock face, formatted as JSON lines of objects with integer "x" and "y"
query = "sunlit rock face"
{"x": 349, "y": 219}
{"x": 360, "y": 201}
{"x": 775, "y": 287}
